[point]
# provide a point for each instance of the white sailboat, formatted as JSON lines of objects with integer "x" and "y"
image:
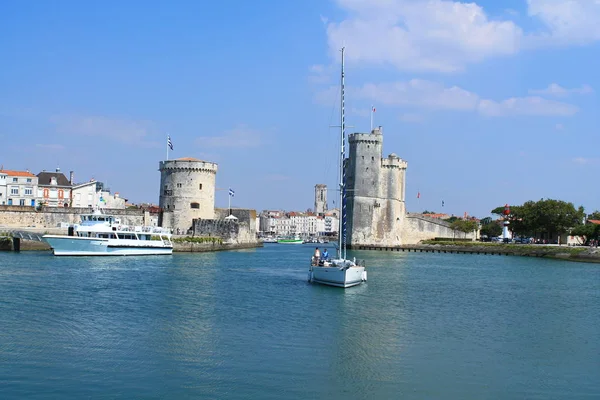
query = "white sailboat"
{"x": 339, "y": 271}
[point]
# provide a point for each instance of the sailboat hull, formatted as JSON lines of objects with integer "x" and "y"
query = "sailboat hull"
{"x": 339, "y": 277}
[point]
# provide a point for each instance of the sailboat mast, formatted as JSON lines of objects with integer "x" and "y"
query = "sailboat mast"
{"x": 342, "y": 219}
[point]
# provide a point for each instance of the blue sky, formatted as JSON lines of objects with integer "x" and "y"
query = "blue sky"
{"x": 490, "y": 102}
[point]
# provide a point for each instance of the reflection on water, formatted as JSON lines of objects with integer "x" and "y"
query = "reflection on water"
{"x": 247, "y": 324}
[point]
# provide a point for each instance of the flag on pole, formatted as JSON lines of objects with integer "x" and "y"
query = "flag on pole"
{"x": 373, "y": 108}
{"x": 169, "y": 142}
{"x": 418, "y": 195}
{"x": 231, "y": 192}
{"x": 442, "y": 203}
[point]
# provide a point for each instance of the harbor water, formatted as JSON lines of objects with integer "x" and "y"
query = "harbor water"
{"x": 248, "y": 325}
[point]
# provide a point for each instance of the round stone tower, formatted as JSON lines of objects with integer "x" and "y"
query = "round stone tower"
{"x": 187, "y": 191}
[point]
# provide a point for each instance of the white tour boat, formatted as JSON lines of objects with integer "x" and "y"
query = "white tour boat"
{"x": 340, "y": 271}
{"x": 101, "y": 234}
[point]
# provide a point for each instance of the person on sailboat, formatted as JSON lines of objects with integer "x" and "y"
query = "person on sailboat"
{"x": 325, "y": 255}
{"x": 316, "y": 257}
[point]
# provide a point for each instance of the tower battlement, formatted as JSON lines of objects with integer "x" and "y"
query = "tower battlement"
{"x": 188, "y": 164}
{"x": 393, "y": 161}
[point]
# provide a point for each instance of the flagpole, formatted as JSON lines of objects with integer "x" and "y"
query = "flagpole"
{"x": 167, "y": 148}
{"x": 371, "y": 119}
{"x": 230, "y": 203}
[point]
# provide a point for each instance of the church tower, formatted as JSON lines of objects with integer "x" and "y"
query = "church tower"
{"x": 320, "y": 198}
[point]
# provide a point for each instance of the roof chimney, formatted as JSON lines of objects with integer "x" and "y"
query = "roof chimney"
{"x": 71, "y": 177}
{"x": 57, "y": 169}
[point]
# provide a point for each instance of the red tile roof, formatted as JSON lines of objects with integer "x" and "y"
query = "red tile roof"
{"x": 594, "y": 221}
{"x": 17, "y": 173}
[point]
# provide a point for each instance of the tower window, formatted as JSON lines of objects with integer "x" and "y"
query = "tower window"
{"x": 363, "y": 157}
{"x": 200, "y": 187}
{"x": 372, "y": 158}
{"x": 179, "y": 185}
{"x": 194, "y": 205}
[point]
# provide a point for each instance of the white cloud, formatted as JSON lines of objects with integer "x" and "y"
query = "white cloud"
{"x": 533, "y": 106}
{"x": 423, "y": 94}
{"x": 567, "y": 21}
{"x": 240, "y": 136}
{"x": 585, "y": 161}
{"x": 431, "y": 35}
{"x": 418, "y": 92}
{"x": 557, "y": 90}
{"x": 121, "y": 130}
{"x": 446, "y": 36}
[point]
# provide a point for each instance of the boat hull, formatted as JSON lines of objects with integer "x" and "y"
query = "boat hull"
{"x": 340, "y": 277}
{"x": 81, "y": 246}
{"x": 290, "y": 241}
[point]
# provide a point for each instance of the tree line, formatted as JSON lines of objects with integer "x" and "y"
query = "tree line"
{"x": 546, "y": 216}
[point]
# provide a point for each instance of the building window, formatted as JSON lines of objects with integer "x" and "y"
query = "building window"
{"x": 15, "y": 179}
{"x": 28, "y": 191}
{"x": 22, "y": 202}
{"x": 14, "y": 191}
{"x": 168, "y": 192}
{"x": 28, "y": 180}
{"x": 200, "y": 187}
{"x": 179, "y": 185}
{"x": 195, "y": 205}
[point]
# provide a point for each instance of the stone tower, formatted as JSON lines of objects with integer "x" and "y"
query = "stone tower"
{"x": 320, "y": 198}
{"x": 375, "y": 192}
{"x": 187, "y": 191}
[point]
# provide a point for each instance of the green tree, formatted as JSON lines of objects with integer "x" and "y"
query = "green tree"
{"x": 491, "y": 229}
{"x": 544, "y": 216}
{"x": 588, "y": 231}
{"x": 464, "y": 225}
{"x": 595, "y": 215}
{"x": 451, "y": 219}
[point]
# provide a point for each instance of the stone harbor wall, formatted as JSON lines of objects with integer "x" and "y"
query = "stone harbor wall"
{"x": 52, "y": 217}
{"x": 241, "y": 230}
{"x": 418, "y": 227}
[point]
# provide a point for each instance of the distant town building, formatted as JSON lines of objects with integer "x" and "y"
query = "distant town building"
{"x": 3, "y": 177}
{"x": 294, "y": 223}
{"x": 54, "y": 189}
{"x": 320, "y": 198}
{"x": 18, "y": 188}
{"x": 94, "y": 194}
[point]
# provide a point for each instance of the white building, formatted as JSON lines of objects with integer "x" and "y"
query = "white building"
{"x": 3, "y": 177}
{"x": 18, "y": 188}
{"x": 93, "y": 194}
{"x": 279, "y": 223}
{"x": 54, "y": 189}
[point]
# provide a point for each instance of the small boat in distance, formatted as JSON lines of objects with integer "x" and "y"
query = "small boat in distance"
{"x": 290, "y": 240}
{"x": 340, "y": 271}
{"x": 101, "y": 234}
{"x": 269, "y": 240}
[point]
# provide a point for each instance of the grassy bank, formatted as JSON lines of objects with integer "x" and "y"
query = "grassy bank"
{"x": 573, "y": 253}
